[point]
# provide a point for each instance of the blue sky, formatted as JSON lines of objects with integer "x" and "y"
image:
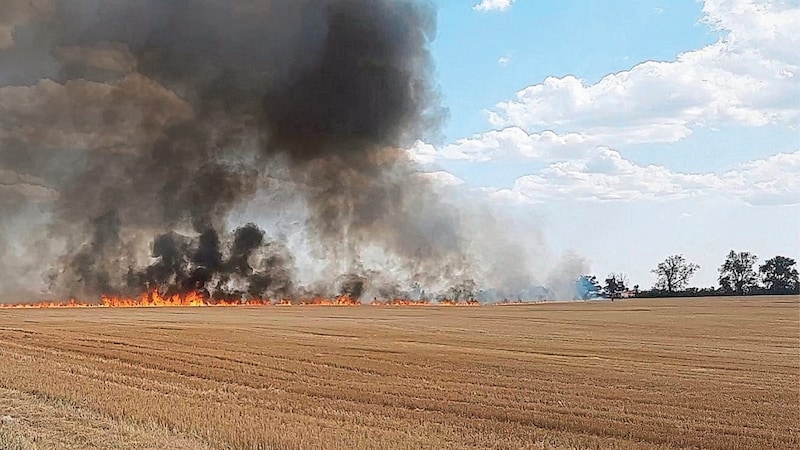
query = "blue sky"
{"x": 627, "y": 130}
{"x": 588, "y": 39}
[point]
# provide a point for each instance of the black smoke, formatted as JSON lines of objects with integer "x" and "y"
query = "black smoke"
{"x": 175, "y": 112}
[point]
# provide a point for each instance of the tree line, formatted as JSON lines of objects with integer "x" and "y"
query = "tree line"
{"x": 738, "y": 275}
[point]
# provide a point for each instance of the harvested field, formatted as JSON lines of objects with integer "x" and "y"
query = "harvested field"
{"x": 712, "y": 373}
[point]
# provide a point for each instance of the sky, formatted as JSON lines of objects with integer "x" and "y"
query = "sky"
{"x": 607, "y": 134}
{"x": 626, "y": 131}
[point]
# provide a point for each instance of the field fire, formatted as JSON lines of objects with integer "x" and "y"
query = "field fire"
{"x": 338, "y": 224}
{"x": 632, "y": 374}
{"x": 246, "y": 150}
{"x": 154, "y": 299}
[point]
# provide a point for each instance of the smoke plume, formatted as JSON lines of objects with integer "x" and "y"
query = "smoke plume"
{"x": 135, "y": 133}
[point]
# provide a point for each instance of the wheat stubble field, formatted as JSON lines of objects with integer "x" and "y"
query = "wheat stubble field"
{"x": 711, "y": 373}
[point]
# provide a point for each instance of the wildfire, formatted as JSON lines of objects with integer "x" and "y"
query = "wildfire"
{"x": 344, "y": 300}
{"x": 154, "y": 299}
{"x": 455, "y": 303}
{"x": 69, "y": 304}
{"x": 401, "y": 302}
{"x": 151, "y": 299}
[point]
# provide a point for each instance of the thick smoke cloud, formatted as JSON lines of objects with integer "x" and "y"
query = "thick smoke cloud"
{"x": 152, "y": 120}
{"x": 133, "y": 133}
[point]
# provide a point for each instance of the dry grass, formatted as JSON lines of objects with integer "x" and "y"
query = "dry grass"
{"x": 712, "y": 373}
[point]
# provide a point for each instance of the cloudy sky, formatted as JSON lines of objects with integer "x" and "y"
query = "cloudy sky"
{"x": 627, "y": 130}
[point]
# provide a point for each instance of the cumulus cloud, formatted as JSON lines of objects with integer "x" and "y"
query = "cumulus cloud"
{"x": 606, "y": 175}
{"x": 513, "y": 142}
{"x": 748, "y": 77}
{"x": 771, "y": 181}
{"x": 493, "y": 5}
{"x": 441, "y": 178}
{"x": 506, "y": 144}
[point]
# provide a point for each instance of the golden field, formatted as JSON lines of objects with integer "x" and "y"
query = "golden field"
{"x": 711, "y": 373}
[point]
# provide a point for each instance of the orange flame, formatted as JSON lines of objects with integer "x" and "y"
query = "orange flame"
{"x": 455, "y": 303}
{"x": 344, "y": 300}
{"x": 400, "y": 302}
{"x": 153, "y": 299}
{"x": 69, "y": 304}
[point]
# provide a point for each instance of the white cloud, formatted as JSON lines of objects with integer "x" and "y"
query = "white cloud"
{"x": 746, "y": 78}
{"x": 771, "y": 181}
{"x": 515, "y": 143}
{"x": 606, "y": 175}
{"x": 508, "y": 143}
{"x": 441, "y": 178}
{"x": 493, "y": 5}
{"x": 504, "y": 60}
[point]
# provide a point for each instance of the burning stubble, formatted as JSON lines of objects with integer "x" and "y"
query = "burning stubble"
{"x": 168, "y": 112}
{"x": 148, "y": 123}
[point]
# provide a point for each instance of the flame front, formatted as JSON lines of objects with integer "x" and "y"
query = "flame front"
{"x": 344, "y": 300}
{"x": 154, "y": 299}
{"x": 151, "y": 299}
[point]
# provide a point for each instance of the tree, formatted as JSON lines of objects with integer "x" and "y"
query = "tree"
{"x": 779, "y": 275}
{"x": 615, "y": 285}
{"x": 736, "y": 274}
{"x": 674, "y": 273}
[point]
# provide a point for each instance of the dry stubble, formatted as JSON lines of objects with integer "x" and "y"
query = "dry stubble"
{"x": 713, "y": 373}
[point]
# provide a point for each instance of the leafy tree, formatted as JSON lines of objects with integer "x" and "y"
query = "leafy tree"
{"x": 674, "y": 273}
{"x": 615, "y": 285}
{"x": 779, "y": 275}
{"x": 587, "y": 287}
{"x": 736, "y": 274}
